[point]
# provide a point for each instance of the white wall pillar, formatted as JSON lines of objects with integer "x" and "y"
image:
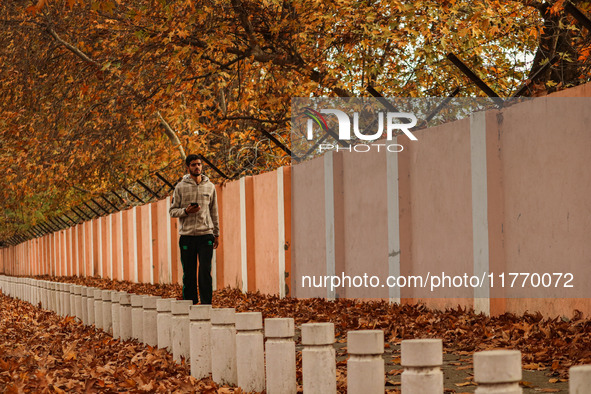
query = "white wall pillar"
{"x": 480, "y": 210}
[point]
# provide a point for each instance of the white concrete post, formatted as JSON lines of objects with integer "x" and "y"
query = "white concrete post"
{"x": 250, "y": 354}
{"x": 365, "y": 368}
{"x": 579, "y": 381}
{"x": 125, "y": 316}
{"x": 422, "y": 360}
{"x": 66, "y": 299}
{"x": 149, "y": 325}
{"x": 200, "y": 340}
{"x": 115, "y": 314}
{"x": 57, "y": 298}
{"x": 179, "y": 331}
{"x": 163, "y": 322}
{"x": 50, "y": 296}
{"x": 281, "y": 358}
{"x": 107, "y": 313}
{"x": 84, "y": 304}
{"x": 318, "y": 358}
{"x": 98, "y": 309}
{"x": 90, "y": 306}
{"x": 137, "y": 317}
{"x": 78, "y": 301}
{"x": 498, "y": 371}
{"x": 223, "y": 346}
{"x": 42, "y": 294}
{"x": 72, "y": 289}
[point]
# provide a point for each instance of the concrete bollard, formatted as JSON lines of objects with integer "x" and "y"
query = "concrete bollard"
{"x": 107, "y": 314}
{"x": 90, "y": 306}
{"x": 200, "y": 340}
{"x": 281, "y": 359}
{"x": 365, "y": 368}
{"x": 44, "y": 292}
{"x": 422, "y": 360}
{"x": 125, "y": 316}
{"x": 223, "y": 346}
{"x": 78, "y": 301}
{"x": 250, "y": 354}
{"x": 73, "y": 300}
{"x": 98, "y": 309}
{"x": 149, "y": 325}
{"x": 179, "y": 329}
{"x": 163, "y": 322}
{"x": 579, "y": 381}
{"x": 115, "y": 314}
{"x": 84, "y": 304}
{"x": 50, "y": 296}
{"x": 65, "y": 299}
{"x": 137, "y": 317}
{"x": 498, "y": 371}
{"x": 318, "y": 358}
{"x": 56, "y": 297}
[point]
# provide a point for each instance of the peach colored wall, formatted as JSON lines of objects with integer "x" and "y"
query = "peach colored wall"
{"x": 308, "y": 237}
{"x": 154, "y": 245}
{"x": 546, "y": 193}
{"x": 177, "y": 267}
{"x": 144, "y": 242}
{"x": 162, "y": 241}
{"x": 251, "y": 234}
{"x": 365, "y": 224}
{"x": 219, "y": 252}
{"x": 230, "y": 234}
{"x": 441, "y": 206}
{"x": 538, "y": 209}
{"x": 265, "y": 231}
{"x": 116, "y": 244}
{"x": 289, "y": 283}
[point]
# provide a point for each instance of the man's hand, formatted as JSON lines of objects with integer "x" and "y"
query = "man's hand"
{"x": 216, "y": 242}
{"x": 192, "y": 209}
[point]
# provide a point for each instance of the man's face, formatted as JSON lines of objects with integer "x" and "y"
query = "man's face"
{"x": 195, "y": 167}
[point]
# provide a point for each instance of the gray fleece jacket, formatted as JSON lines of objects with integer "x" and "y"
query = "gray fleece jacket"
{"x": 205, "y": 221}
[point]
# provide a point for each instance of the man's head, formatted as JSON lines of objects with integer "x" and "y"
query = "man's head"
{"x": 194, "y": 165}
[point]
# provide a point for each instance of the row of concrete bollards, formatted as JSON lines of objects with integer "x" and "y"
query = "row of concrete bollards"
{"x": 234, "y": 349}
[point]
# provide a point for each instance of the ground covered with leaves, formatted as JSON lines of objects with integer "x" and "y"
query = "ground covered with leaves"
{"x": 42, "y": 352}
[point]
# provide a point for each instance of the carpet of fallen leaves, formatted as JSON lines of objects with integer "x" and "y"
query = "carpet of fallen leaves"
{"x": 41, "y": 352}
{"x": 37, "y": 349}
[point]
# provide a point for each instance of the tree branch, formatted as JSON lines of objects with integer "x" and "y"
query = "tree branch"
{"x": 72, "y": 48}
{"x": 172, "y": 136}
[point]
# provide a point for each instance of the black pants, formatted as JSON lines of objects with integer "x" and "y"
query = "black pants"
{"x": 193, "y": 246}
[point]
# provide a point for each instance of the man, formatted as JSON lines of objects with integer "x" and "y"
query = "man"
{"x": 195, "y": 204}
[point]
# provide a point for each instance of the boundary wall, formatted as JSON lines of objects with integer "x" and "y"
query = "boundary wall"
{"x": 502, "y": 190}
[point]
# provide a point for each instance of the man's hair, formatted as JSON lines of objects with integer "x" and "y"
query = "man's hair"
{"x": 190, "y": 158}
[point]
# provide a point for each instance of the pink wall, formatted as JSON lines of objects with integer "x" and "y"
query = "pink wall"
{"x": 308, "y": 229}
{"x": 265, "y": 231}
{"x": 537, "y": 205}
{"x": 441, "y": 209}
{"x": 230, "y": 235}
{"x": 364, "y": 225}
